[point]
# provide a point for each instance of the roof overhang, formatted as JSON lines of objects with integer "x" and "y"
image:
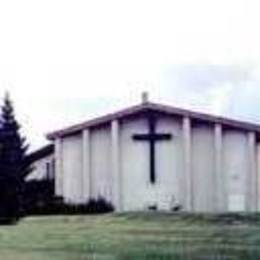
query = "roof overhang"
{"x": 231, "y": 123}
{"x": 41, "y": 153}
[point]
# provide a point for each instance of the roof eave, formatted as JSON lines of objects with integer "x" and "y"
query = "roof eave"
{"x": 157, "y": 107}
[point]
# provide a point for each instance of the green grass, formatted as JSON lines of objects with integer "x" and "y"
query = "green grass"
{"x": 132, "y": 236}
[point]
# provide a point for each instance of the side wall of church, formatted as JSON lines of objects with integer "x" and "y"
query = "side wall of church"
{"x": 39, "y": 171}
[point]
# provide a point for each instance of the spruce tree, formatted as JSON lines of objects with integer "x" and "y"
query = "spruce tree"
{"x": 13, "y": 164}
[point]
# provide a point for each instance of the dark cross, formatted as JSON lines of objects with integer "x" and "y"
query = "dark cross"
{"x": 152, "y": 137}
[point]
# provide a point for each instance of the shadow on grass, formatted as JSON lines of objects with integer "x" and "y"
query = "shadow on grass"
{"x": 220, "y": 218}
{"x": 207, "y": 254}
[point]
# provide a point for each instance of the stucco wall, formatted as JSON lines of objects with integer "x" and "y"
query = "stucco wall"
{"x": 258, "y": 175}
{"x": 134, "y": 166}
{"x": 72, "y": 169}
{"x": 203, "y": 167}
{"x": 136, "y": 191}
{"x": 170, "y": 164}
{"x": 139, "y": 193}
{"x": 100, "y": 158}
{"x": 235, "y": 169}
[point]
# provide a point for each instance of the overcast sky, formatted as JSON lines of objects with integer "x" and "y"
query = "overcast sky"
{"x": 66, "y": 61}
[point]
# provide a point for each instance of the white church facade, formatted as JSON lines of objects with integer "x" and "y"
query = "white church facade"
{"x": 152, "y": 156}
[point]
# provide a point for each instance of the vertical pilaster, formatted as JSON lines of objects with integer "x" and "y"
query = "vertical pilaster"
{"x": 58, "y": 167}
{"x": 86, "y": 167}
{"x": 187, "y": 163}
{"x": 220, "y": 198}
{"x": 258, "y": 175}
{"x": 251, "y": 201}
{"x": 116, "y": 177}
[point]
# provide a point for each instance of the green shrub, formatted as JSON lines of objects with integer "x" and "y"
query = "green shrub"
{"x": 58, "y": 207}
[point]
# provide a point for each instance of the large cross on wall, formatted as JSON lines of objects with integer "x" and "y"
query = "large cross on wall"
{"x": 152, "y": 137}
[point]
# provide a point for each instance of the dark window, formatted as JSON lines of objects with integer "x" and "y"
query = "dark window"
{"x": 50, "y": 170}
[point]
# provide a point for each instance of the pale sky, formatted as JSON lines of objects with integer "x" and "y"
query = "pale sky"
{"x": 67, "y": 61}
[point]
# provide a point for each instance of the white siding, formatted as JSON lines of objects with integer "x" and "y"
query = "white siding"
{"x": 203, "y": 167}
{"x": 72, "y": 169}
{"x": 169, "y": 156}
{"x": 139, "y": 193}
{"x": 135, "y": 166}
{"x": 258, "y": 177}
{"x": 217, "y": 182}
{"x": 235, "y": 169}
{"x": 101, "y": 175}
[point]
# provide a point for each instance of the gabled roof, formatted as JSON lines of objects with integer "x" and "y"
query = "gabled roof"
{"x": 148, "y": 106}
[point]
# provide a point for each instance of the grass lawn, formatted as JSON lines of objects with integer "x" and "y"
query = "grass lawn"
{"x": 131, "y": 236}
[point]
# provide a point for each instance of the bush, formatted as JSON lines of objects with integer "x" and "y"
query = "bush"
{"x": 57, "y": 207}
{"x": 99, "y": 205}
{"x": 9, "y": 201}
{"x": 37, "y": 194}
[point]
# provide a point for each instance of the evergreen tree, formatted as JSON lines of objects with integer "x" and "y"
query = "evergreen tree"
{"x": 13, "y": 164}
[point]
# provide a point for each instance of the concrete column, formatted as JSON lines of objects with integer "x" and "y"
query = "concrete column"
{"x": 251, "y": 184}
{"x": 116, "y": 176}
{"x": 187, "y": 163}
{"x": 58, "y": 167}
{"x": 86, "y": 167}
{"x": 220, "y": 197}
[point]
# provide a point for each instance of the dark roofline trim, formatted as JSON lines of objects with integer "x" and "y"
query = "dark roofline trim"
{"x": 41, "y": 153}
{"x": 159, "y": 108}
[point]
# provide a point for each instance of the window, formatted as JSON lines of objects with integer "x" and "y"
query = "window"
{"x": 50, "y": 166}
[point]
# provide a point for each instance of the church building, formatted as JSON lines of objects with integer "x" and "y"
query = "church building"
{"x": 158, "y": 157}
